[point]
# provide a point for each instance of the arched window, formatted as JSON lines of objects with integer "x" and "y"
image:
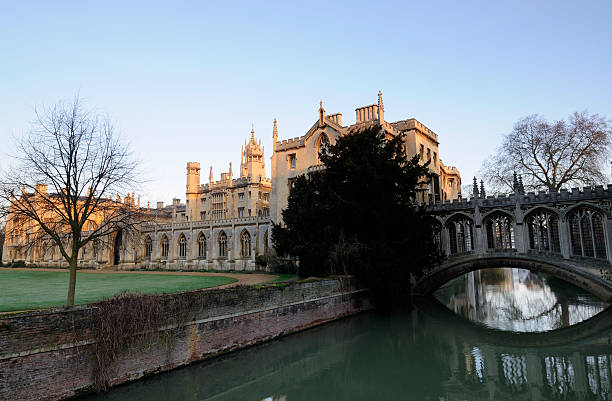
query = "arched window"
{"x": 182, "y": 246}
{"x": 323, "y": 145}
{"x": 460, "y": 234}
{"x": 265, "y": 242}
{"x": 500, "y": 232}
{"x": 201, "y": 246}
{"x": 164, "y": 246}
{"x": 148, "y": 247}
{"x": 543, "y": 227}
{"x": 222, "y": 241}
{"x": 245, "y": 244}
{"x": 587, "y": 233}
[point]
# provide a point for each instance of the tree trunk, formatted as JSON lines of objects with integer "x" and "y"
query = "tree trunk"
{"x": 72, "y": 282}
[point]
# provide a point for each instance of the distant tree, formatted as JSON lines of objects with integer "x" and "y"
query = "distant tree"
{"x": 549, "y": 156}
{"x": 78, "y": 156}
{"x": 359, "y": 216}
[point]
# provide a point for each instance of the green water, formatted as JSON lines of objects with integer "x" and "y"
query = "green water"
{"x": 423, "y": 351}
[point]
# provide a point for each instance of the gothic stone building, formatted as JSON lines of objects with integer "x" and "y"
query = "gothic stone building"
{"x": 225, "y": 224}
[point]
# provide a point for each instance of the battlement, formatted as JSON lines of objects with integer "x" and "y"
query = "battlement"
{"x": 531, "y": 198}
{"x": 290, "y": 143}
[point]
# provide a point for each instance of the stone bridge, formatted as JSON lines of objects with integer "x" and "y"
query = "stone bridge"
{"x": 567, "y": 234}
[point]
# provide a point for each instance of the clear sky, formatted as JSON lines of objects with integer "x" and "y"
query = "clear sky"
{"x": 184, "y": 81}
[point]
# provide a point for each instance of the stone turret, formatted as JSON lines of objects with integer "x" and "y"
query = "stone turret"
{"x": 252, "y": 159}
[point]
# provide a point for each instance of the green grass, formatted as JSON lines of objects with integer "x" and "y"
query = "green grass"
{"x": 24, "y": 290}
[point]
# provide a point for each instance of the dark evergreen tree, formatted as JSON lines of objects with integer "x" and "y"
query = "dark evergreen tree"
{"x": 359, "y": 215}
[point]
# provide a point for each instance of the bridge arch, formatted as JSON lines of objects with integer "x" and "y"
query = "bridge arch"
{"x": 587, "y": 205}
{"x": 457, "y": 215}
{"x": 558, "y": 268}
{"x": 497, "y": 211}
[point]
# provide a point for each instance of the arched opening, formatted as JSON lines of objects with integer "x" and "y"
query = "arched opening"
{"x": 222, "y": 244}
{"x": 148, "y": 247}
{"x": 322, "y": 146}
{"x": 500, "y": 231}
{"x": 117, "y": 247}
{"x": 182, "y": 243}
{"x": 164, "y": 244}
{"x": 245, "y": 244}
{"x": 587, "y": 234}
{"x": 201, "y": 245}
{"x": 543, "y": 229}
{"x": 460, "y": 234}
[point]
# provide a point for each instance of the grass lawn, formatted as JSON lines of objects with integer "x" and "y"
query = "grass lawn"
{"x": 22, "y": 290}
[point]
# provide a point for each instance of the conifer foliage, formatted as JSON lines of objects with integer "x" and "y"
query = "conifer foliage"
{"x": 359, "y": 215}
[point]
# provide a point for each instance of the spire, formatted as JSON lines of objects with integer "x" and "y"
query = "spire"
{"x": 381, "y": 108}
{"x": 253, "y": 133}
{"x": 148, "y": 206}
{"x": 210, "y": 177}
{"x": 274, "y": 135}
{"x": 230, "y": 171}
{"x": 521, "y": 187}
{"x": 515, "y": 183}
{"x": 475, "y": 188}
{"x": 321, "y": 114}
{"x": 482, "y": 190}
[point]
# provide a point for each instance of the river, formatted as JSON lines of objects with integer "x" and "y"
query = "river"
{"x": 495, "y": 334}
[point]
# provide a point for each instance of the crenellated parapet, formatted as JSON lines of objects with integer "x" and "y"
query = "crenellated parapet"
{"x": 575, "y": 195}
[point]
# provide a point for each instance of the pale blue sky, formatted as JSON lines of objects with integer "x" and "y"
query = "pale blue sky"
{"x": 184, "y": 80}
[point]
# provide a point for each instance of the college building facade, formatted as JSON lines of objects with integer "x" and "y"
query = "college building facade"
{"x": 226, "y": 224}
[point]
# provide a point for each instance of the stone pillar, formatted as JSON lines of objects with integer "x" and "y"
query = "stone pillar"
{"x": 564, "y": 239}
{"x": 608, "y": 232}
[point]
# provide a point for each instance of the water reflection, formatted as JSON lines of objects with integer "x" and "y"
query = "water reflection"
{"x": 424, "y": 352}
{"x": 518, "y": 300}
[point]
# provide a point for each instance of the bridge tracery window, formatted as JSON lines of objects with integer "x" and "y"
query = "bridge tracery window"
{"x": 500, "y": 231}
{"x": 461, "y": 235}
{"x": 587, "y": 233}
{"x": 543, "y": 227}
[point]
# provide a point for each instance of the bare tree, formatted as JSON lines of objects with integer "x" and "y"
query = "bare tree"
{"x": 59, "y": 194}
{"x": 2, "y": 237}
{"x": 549, "y": 156}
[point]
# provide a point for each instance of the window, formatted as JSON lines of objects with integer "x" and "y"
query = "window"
{"x": 249, "y": 212}
{"x": 203, "y": 215}
{"x": 323, "y": 145}
{"x": 241, "y": 196}
{"x": 587, "y": 233}
{"x": 245, "y": 244}
{"x": 266, "y": 211}
{"x": 421, "y": 151}
{"x": 222, "y": 243}
{"x": 292, "y": 161}
{"x": 461, "y": 235}
{"x": 543, "y": 228}
{"x": 240, "y": 212}
{"x": 182, "y": 246}
{"x": 201, "y": 245}
{"x": 500, "y": 232}
{"x": 249, "y": 194}
{"x": 148, "y": 247}
{"x": 164, "y": 246}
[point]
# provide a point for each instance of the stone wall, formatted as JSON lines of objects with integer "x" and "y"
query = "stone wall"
{"x": 46, "y": 355}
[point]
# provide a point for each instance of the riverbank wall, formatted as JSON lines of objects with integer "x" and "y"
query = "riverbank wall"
{"x": 50, "y": 355}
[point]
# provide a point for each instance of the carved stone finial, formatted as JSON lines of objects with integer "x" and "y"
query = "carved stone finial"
{"x": 475, "y": 188}
{"x": 482, "y": 190}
